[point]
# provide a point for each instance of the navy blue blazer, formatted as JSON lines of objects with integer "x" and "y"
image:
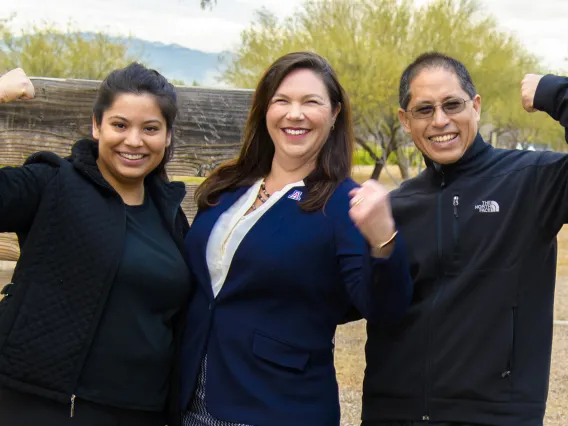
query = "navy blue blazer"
{"x": 268, "y": 335}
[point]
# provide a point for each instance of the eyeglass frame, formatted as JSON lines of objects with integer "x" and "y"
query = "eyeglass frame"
{"x": 439, "y": 104}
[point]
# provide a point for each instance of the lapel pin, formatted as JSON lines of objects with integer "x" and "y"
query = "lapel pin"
{"x": 296, "y": 195}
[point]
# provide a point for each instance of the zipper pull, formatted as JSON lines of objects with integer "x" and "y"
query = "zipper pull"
{"x": 72, "y": 413}
{"x": 456, "y": 204}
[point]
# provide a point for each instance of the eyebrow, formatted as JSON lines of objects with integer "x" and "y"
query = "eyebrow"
{"x": 120, "y": 117}
{"x": 311, "y": 95}
{"x": 447, "y": 98}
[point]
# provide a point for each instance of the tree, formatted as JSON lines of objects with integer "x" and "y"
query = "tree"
{"x": 513, "y": 125}
{"x": 207, "y": 4}
{"x": 47, "y": 52}
{"x": 369, "y": 43}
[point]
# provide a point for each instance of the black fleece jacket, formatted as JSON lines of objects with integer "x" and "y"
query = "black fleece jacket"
{"x": 71, "y": 227}
{"x": 475, "y": 345}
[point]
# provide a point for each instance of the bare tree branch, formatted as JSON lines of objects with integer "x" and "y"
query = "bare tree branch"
{"x": 208, "y": 4}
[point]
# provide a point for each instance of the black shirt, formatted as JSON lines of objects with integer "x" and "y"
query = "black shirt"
{"x": 131, "y": 357}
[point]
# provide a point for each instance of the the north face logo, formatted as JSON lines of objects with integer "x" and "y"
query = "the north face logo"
{"x": 488, "y": 207}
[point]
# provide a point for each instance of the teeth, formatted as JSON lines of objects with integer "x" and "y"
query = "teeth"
{"x": 444, "y": 138}
{"x": 131, "y": 156}
{"x": 296, "y": 132}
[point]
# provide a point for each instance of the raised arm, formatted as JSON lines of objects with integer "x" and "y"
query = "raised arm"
{"x": 372, "y": 257}
{"x": 15, "y": 85}
{"x": 20, "y": 187}
{"x": 547, "y": 93}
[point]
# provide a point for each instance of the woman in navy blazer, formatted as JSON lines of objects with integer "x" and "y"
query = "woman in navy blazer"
{"x": 284, "y": 245}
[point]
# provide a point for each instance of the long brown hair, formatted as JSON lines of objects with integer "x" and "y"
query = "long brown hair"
{"x": 333, "y": 164}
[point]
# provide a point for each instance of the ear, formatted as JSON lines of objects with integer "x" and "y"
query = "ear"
{"x": 169, "y": 138}
{"x": 96, "y": 130}
{"x": 404, "y": 121}
{"x": 336, "y": 113}
{"x": 477, "y": 106}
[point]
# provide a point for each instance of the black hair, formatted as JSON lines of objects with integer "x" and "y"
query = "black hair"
{"x": 433, "y": 60}
{"x": 137, "y": 79}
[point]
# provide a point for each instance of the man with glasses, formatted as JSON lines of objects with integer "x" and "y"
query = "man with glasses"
{"x": 480, "y": 225}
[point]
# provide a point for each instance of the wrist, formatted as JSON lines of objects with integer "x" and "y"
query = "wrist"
{"x": 385, "y": 242}
{"x": 383, "y": 235}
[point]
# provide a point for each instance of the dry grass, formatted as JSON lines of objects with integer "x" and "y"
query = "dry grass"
{"x": 350, "y": 341}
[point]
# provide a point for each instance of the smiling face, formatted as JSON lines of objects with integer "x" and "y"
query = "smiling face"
{"x": 132, "y": 138}
{"x": 299, "y": 117}
{"x": 447, "y": 134}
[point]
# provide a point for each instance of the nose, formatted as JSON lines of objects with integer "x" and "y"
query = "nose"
{"x": 295, "y": 112}
{"x": 134, "y": 138}
{"x": 440, "y": 119}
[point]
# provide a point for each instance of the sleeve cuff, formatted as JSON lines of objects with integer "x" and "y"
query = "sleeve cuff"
{"x": 547, "y": 92}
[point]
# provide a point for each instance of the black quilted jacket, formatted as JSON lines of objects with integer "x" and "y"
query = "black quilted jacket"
{"x": 71, "y": 226}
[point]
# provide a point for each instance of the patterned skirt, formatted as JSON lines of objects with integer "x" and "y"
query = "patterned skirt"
{"x": 198, "y": 414}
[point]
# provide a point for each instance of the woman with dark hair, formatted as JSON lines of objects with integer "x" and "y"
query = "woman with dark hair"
{"x": 87, "y": 325}
{"x": 284, "y": 245}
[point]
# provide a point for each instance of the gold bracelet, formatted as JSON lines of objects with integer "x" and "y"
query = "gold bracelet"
{"x": 386, "y": 243}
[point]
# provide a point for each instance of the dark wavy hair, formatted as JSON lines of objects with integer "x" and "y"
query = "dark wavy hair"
{"x": 334, "y": 160}
{"x": 137, "y": 79}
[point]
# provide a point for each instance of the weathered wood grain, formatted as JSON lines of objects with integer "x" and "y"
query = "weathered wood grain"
{"x": 207, "y": 131}
{"x": 9, "y": 249}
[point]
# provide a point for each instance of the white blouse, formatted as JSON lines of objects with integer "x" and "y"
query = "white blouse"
{"x": 232, "y": 227}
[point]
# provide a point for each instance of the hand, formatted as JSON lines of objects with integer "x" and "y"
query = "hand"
{"x": 528, "y": 90}
{"x": 371, "y": 213}
{"x": 14, "y": 85}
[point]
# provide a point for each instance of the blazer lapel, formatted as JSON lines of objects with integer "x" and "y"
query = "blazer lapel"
{"x": 270, "y": 223}
{"x": 200, "y": 232}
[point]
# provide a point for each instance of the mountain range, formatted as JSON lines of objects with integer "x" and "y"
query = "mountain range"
{"x": 177, "y": 62}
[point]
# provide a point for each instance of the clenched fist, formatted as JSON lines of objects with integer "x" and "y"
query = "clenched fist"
{"x": 371, "y": 213}
{"x": 14, "y": 85}
{"x": 528, "y": 90}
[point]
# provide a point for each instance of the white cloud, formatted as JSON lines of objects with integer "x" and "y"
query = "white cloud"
{"x": 540, "y": 25}
{"x": 173, "y": 21}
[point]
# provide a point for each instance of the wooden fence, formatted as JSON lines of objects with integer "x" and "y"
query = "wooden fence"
{"x": 207, "y": 131}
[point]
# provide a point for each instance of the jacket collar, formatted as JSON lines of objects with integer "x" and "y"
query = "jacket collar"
{"x": 84, "y": 154}
{"x": 471, "y": 160}
{"x": 166, "y": 195}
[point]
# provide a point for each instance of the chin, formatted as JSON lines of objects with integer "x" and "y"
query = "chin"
{"x": 296, "y": 154}
{"x": 130, "y": 176}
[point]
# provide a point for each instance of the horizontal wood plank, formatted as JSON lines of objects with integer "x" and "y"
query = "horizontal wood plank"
{"x": 207, "y": 131}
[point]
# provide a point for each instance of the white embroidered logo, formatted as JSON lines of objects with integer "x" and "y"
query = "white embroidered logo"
{"x": 296, "y": 195}
{"x": 488, "y": 207}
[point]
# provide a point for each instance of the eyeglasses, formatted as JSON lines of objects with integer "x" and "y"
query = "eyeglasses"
{"x": 450, "y": 107}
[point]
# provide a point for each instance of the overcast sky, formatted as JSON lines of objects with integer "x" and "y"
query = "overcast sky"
{"x": 542, "y": 25}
